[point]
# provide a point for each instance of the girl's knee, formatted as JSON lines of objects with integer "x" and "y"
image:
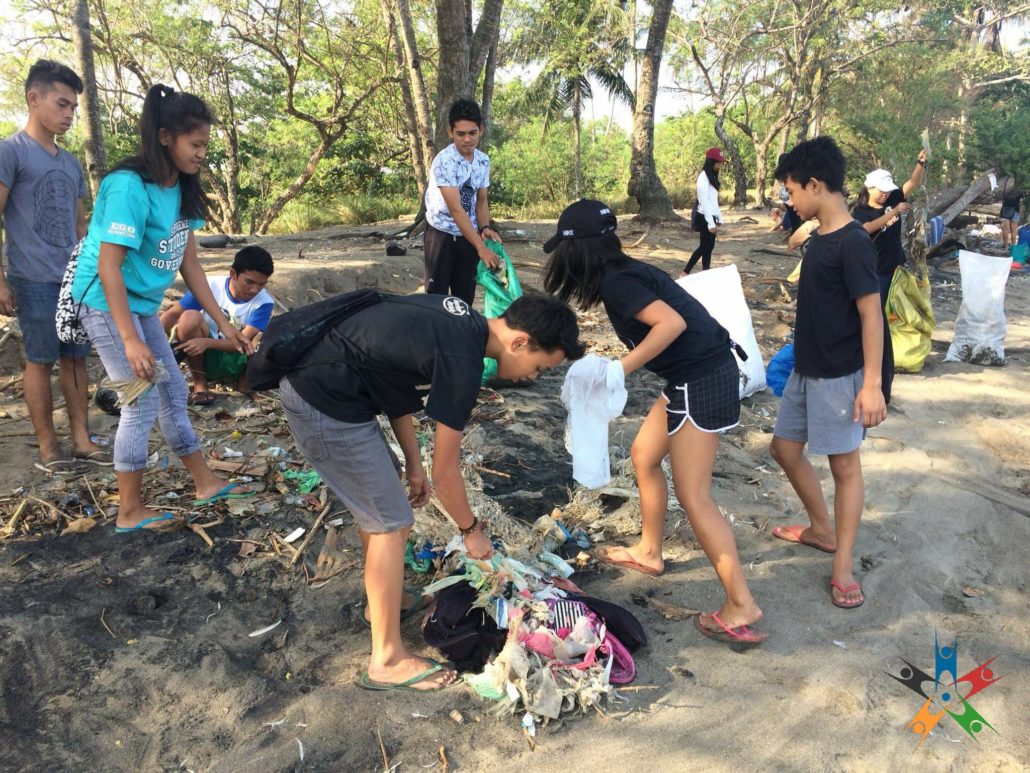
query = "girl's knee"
{"x": 644, "y": 457}
{"x": 693, "y": 499}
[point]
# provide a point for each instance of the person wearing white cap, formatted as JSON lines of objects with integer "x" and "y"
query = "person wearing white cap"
{"x": 879, "y": 208}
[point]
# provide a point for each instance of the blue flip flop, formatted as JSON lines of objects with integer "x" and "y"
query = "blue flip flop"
{"x": 225, "y": 493}
{"x": 142, "y": 525}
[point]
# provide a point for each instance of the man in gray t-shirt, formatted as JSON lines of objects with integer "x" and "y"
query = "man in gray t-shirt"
{"x": 42, "y": 188}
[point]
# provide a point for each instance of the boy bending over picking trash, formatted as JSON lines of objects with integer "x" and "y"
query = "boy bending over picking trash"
{"x": 372, "y": 362}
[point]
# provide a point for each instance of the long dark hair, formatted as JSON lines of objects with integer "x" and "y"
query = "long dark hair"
{"x": 862, "y": 202}
{"x": 177, "y": 113}
{"x": 711, "y": 172}
{"x": 577, "y": 267}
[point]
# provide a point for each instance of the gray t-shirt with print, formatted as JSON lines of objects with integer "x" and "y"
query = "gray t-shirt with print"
{"x": 42, "y": 204}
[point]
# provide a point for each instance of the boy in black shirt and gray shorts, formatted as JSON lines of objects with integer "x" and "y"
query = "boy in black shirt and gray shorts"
{"x": 834, "y": 393}
{"x": 373, "y": 362}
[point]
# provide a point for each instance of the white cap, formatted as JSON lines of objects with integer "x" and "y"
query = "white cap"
{"x": 880, "y": 179}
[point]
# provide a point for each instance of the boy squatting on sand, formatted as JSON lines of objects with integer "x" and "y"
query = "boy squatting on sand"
{"x": 247, "y": 305}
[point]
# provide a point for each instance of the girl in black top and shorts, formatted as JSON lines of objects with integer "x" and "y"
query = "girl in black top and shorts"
{"x": 671, "y": 334}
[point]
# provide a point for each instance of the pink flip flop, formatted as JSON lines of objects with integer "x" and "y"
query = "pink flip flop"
{"x": 844, "y": 591}
{"x": 793, "y": 534}
{"x": 743, "y": 634}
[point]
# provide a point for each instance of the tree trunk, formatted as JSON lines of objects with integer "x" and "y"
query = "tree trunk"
{"x": 736, "y": 162}
{"x": 488, "y": 92}
{"x": 979, "y": 186}
{"x": 462, "y": 54}
{"x": 299, "y": 182}
{"x": 761, "y": 170}
{"x": 577, "y": 139}
{"x": 452, "y": 78}
{"x": 231, "y": 222}
{"x": 644, "y": 183}
{"x": 417, "y": 82}
{"x": 96, "y": 155}
{"x": 418, "y": 163}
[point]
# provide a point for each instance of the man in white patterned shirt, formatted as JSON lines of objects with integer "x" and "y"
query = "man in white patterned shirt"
{"x": 457, "y": 208}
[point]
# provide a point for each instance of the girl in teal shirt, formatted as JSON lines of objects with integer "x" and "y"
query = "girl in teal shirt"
{"x": 140, "y": 237}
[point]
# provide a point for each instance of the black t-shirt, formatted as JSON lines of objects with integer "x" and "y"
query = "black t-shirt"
{"x": 630, "y": 288}
{"x": 838, "y": 268}
{"x": 387, "y": 355}
{"x": 889, "y": 252}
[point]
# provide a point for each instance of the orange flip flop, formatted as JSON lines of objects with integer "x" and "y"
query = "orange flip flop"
{"x": 793, "y": 534}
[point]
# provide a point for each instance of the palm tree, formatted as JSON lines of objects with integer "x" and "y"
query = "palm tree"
{"x": 581, "y": 42}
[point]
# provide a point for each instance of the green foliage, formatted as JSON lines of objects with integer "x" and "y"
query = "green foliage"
{"x": 1002, "y": 135}
{"x": 532, "y": 172}
{"x": 680, "y": 145}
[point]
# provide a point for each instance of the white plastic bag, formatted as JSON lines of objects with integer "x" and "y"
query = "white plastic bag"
{"x": 720, "y": 292}
{"x": 980, "y": 325}
{"x": 594, "y": 393}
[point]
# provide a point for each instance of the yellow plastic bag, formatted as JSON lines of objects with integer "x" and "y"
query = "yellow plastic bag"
{"x": 795, "y": 275}
{"x": 911, "y": 320}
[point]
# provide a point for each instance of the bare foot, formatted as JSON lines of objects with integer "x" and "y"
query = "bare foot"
{"x": 406, "y": 601}
{"x": 127, "y": 519}
{"x": 201, "y": 397}
{"x": 845, "y": 591}
{"x": 409, "y": 667}
{"x": 735, "y": 616}
{"x": 636, "y": 555}
{"x": 88, "y": 450}
{"x": 49, "y": 454}
{"x": 215, "y": 484}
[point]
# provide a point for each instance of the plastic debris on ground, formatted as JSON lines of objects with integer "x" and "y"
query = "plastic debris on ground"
{"x": 557, "y": 656}
{"x": 306, "y": 481}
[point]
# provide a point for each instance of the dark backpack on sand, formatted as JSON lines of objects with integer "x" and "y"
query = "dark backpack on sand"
{"x": 290, "y": 336}
{"x": 468, "y": 637}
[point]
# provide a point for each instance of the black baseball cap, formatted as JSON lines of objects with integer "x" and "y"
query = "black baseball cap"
{"x": 587, "y": 217}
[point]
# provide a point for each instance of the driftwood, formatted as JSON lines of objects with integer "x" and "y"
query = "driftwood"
{"x": 943, "y": 200}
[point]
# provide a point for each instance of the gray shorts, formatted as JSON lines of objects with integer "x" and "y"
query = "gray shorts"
{"x": 821, "y": 412}
{"x": 354, "y": 461}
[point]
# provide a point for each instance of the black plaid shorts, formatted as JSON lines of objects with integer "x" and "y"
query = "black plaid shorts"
{"x": 711, "y": 401}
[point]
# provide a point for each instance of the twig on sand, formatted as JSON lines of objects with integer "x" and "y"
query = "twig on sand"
{"x": 444, "y": 764}
{"x": 96, "y": 504}
{"x": 15, "y": 517}
{"x": 197, "y": 529}
{"x": 382, "y": 748}
{"x": 53, "y": 507}
{"x": 529, "y": 740}
{"x": 106, "y": 627}
{"x": 640, "y": 241}
{"x": 481, "y": 468}
{"x": 310, "y": 535}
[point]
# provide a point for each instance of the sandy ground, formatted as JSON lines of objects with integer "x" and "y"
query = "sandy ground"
{"x": 123, "y": 653}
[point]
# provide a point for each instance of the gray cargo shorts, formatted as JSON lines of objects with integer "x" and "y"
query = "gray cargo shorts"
{"x": 821, "y": 412}
{"x": 354, "y": 461}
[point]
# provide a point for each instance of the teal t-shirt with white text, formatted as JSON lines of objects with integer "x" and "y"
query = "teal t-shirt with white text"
{"x": 147, "y": 219}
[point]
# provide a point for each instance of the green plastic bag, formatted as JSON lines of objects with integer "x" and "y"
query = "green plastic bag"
{"x": 499, "y": 290}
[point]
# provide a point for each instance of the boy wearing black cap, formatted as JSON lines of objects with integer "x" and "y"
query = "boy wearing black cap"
{"x": 834, "y": 392}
